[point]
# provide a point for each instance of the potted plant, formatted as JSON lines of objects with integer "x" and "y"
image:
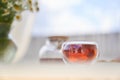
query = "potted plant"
{"x": 11, "y": 10}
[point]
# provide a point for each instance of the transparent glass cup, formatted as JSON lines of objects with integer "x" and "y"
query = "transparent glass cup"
{"x": 79, "y": 52}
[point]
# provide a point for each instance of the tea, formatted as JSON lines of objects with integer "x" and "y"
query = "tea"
{"x": 79, "y": 52}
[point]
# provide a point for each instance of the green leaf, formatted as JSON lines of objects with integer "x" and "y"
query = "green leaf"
{"x": 4, "y": 30}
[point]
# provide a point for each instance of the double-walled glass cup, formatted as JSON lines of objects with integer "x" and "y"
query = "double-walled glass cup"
{"x": 79, "y": 52}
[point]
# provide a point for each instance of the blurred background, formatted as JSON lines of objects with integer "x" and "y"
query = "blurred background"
{"x": 85, "y": 20}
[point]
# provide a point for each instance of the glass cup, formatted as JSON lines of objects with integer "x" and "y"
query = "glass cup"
{"x": 79, "y": 52}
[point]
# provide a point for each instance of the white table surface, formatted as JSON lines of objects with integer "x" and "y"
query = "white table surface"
{"x": 103, "y": 71}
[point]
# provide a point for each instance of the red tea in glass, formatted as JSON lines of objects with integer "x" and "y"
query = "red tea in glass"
{"x": 79, "y": 52}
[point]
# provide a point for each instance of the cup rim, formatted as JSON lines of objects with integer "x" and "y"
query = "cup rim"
{"x": 80, "y": 42}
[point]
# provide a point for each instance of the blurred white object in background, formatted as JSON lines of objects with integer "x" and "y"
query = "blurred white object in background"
{"x": 21, "y": 34}
{"x": 50, "y": 52}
